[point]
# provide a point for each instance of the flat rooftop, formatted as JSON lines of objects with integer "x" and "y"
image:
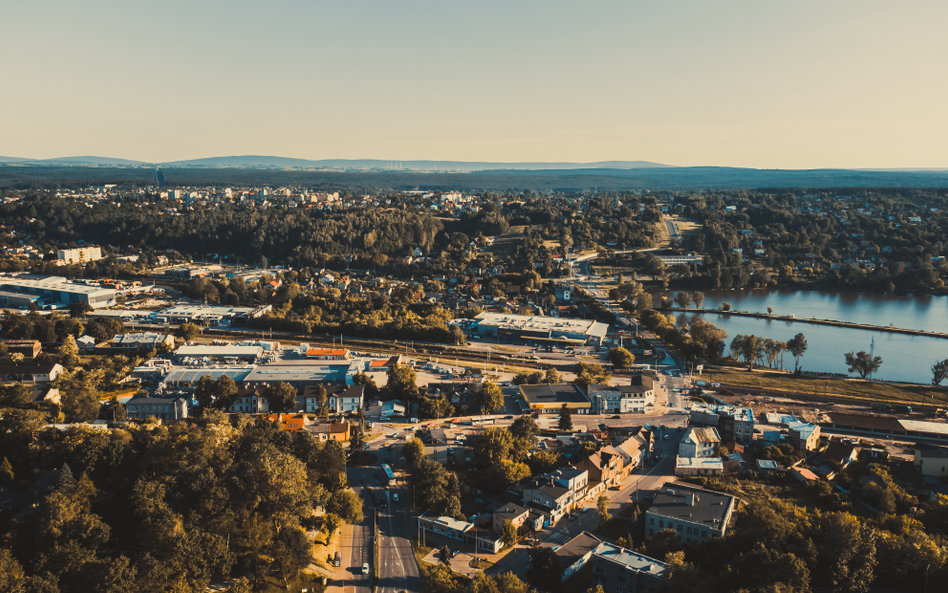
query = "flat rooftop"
{"x": 188, "y": 376}
{"x": 534, "y": 323}
{"x": 219, "y": 350}
{"x": 52, "y": 284}
{"x": 202, "y": 310}
{"x": 563, "y": 393}
{"x": 630, "y": 559}
{"x": 323, "y": 373}
{"x": 709, "y": 507}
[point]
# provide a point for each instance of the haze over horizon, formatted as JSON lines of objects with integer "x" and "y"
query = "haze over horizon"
{"x": 733, "y": 83}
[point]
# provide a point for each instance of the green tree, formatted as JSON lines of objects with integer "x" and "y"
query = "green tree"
{"x": 12, "y": 577}
{"x": 187, "y": 331}
{"x": 864, "y": 364}
{"x": 322, "y": 398}
{"x": 566, "y": 419}
{"x": 939, "y": 372}
{"x": 69, "y": 352}
{"x": 491, "y": 398}
{"x": 621, "y": 358}
{"x": 402, "y": 383}
{"x": 552, "y": 376}
{"x": 501, "y": 583}
{"x": 371, "y": 390}
{"x": 204, "y": 392}
{"x": 281, "y": 397}
{"x": 683, "y": 300}
{"x": 347, "y": 504}
{"x": 797, "y": 347}
{"x": 6, "y": 474}
{"x": 698, "y": 298}
{"x": 357, "y": 438}
{"x": 444, "y": 556}
{"x": 508, "y": 533}
{"x": 545, "y": 570}
{"x": 413, "y": 451}
{"x": 602, "y": 505}
{"x": 590, "y": 374}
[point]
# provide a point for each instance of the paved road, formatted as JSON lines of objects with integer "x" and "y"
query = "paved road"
{"x": 355, "y": 548}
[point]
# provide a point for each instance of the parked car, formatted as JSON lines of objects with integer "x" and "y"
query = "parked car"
{"x": 617, "y": 417}
{"x": 395, "y": 497}
{"x": 508, "y": 417}
{"x": 573, "y": 517}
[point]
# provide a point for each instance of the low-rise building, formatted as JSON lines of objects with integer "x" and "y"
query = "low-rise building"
{"x": 330, "y": 431}
{"x": 574, "y": 554}
{"x": 696, "y": 514}
{"x": 636, "y": 398}
{"x": 698, "y": 466}
{"x": 32, "y": 372}
{"x": 289, "y": 422}
{"x": 140, "y": 408}
{"x": 549, "y": 399}
{"x": 250, "y": 401}
{"x": 733, "y": 423}
{"x": 482, "y": 539}
{"x": 621, "y": 570}
{"x": 142, "y": 342}
{"x": 220, "y": 352}
{"x": 340, "y": 399}
{"x": 931, "y": 460}
{"x": 700, "y": 443}
{"x": 514, "y": 513}
{"x": 28, "y": 348}
{"x": 391, "y": 409}
{"x": 328, "y": 354}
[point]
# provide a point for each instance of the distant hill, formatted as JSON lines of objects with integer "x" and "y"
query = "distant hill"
{"x": 80, "y": 161}
{"x": 282, "y": 162}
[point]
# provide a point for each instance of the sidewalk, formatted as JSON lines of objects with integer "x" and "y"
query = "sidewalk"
{"x": 337, "y": 578}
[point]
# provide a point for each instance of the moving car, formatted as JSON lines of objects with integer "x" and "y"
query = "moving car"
{"x": 395, "y": 497}
{"x": 617, "y": 417}
{"x": 365, "y": 568}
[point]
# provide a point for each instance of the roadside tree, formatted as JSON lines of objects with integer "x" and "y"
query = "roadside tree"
{"x": 797, "y": 347}
{"x": 621, "y": 358}
{"x": 491, "y": 398}
{"x": 566, "y": 419}
{"x": 863, "y": 363}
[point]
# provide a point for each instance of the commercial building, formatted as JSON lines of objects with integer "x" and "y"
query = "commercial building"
{"x": 80, "y": 255}
{"x": 141, "y": 408}
{"x": 208, "y": 314}
{"x": 574, "y": 554}
{"x": 224, "y": 352}
{"x": 620, "y": 570}
{"x": 550, "y": 399}
{"x": 190, "y": 377}
{"x": 546, "y": 329}
{"x": 696, "y": 514}
{"x": 328, "y": 353}
{"x": 142, "y": 342}
{"x": 481, "y": 539}
{"x": 54, "y": 291}
{"x": 302, "y": 375}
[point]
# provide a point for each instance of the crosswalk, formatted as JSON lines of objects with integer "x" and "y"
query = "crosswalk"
{"x": 560, "y": 537}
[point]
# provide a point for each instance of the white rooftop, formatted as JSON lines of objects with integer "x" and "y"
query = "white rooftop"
{"x": 632, "y": 560}
{"x": 543, "y": 324}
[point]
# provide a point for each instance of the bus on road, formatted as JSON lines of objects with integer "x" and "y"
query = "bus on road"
{"x": 389, "y": 475}
{"x": 481, "y": 420}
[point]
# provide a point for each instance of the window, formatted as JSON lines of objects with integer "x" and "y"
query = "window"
{"x": 679, "y": 529}
{"x": 651, "y": 521}
{"x": 661, "y": 523}
{"x": 651, "y": 532}
{"x": 704, "y": 534}
{"x": 689, "y": 531}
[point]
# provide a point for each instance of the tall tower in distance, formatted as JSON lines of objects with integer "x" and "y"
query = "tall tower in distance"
{"x": 159, "y": 178}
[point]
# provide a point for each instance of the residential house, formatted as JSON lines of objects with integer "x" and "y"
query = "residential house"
{"x": 696, "y": 514}
{"x": 140, "y": 408}
{"x": 802, "y": 474}
{"x": 621, "y": 570}
{"x": 250, "y": 401}
{"x": 330, "y": 431}
{"x": 733, "y": 423}
{"x": 512, "y": 512}
{"x": 603, "y": 466}
{"x": 700, "y": 443}
{"x": 556, "y": 493}
{"x": 636, "y": 398}
{"x": 483, "y": 540}
{"x": 575, "y": 553}
{"x": 931, "y": 460}
{"x": 340, "y": 399}
{"x": 34, "y": 372}
{"x": 842, "y": 451}
{"x": 391, "y": 409}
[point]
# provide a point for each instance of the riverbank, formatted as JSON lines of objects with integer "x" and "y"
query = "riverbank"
{"x": 813, "y": 321}
{"x": 765, "y": 381}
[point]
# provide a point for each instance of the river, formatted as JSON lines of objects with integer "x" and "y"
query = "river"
{"x": 904, "y": 357}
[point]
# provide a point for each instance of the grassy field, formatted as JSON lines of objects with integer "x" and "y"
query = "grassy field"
{"x": 866, "y": 391}
{"x": 505, "y": 244}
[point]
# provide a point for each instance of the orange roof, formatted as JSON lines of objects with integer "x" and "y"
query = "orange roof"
{"x": 327, "y": 352}
{"x": 378, "y": 363}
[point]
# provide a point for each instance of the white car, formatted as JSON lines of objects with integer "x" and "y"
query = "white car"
{"x": 365, "y": 568}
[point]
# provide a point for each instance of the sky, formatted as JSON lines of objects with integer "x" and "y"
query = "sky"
{"x": 802, "y": 84}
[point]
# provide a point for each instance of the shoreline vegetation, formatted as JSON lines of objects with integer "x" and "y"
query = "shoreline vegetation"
{"x": 815, "y": 321}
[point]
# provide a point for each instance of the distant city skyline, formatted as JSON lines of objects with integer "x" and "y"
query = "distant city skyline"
{"x": 732, "y": 83}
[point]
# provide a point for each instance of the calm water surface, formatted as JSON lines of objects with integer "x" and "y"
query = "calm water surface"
{"x": 905, "y": 358}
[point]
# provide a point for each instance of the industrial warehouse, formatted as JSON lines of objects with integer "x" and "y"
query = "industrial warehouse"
{"x": 540, "y": 329}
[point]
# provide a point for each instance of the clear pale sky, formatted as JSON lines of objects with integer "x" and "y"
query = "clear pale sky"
{"x": 751, "y": 83}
